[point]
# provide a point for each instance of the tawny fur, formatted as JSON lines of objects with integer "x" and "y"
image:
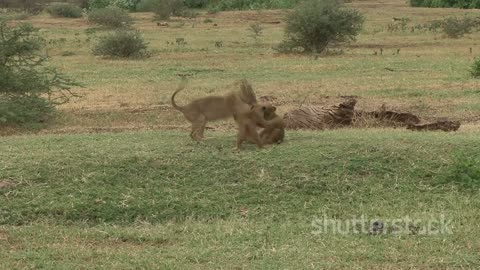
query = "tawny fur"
{"x": 211, "y": 108}
{"x": 249, "y": 121}
{"x": 274, "y": 131}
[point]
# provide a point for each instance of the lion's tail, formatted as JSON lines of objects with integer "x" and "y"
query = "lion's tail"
{"x": 179, "y": 88}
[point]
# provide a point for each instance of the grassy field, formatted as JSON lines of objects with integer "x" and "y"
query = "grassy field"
{"x": 114, "y": 182}
{"x": 154, "y": 200}
{"x": 430, "y": 78}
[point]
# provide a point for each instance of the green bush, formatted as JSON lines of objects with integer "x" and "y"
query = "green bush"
{"x": 464, "y": 172}
{"x": 122, "y": 44}
{"x": 65, "y": 10}
{"x": 475, "y": 70}
{"x": 316, "y": 24}
{"x": 80, "y": 3}
{"x": 28, "y": 90}
{"x": 97, "y": 4}
{"x": 252, "y": 4}
{"x": 196, "y": 3}
{"x": 454, "y": 27}
{"x": 446, "y": 3}
{"x": 124, "y": 4}
{"x": 110, "y": 17}
{"x": 14, "y": 15}
{"x": 24, "y": 109}
{"x": 218, "y": 5}
{"x": 163, "y": 9}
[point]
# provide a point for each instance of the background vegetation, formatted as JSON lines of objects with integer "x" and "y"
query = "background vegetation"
{"x": 28, "y": 89}
{"x": 121, "y": 43}
{"x": 134, "y": 5}
{"x": 446, "y": 3}
{"x": 113, "y": 17}
{"x": 66, "y": 10}
{"x": 316, "y": 24}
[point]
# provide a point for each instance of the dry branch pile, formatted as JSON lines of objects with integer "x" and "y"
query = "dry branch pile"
{"x": 315, "y": 117}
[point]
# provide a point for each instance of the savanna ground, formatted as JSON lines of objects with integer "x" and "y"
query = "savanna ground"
{"x": 149, "y": 198}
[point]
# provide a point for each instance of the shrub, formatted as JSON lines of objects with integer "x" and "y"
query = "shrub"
{"x": 475, "y": 70}
{"x": 163, "y": 9}
{"x": 124, "y": 4}
{"x": 98, "y": 4}
{"x": 111, "y": 17}
{"x": 20, "y": 16}
{"x": 22, "y": 110}
{"x": 80, "y": 3}
{"x": 456, "y": 28}
{"x": 446, "y": 3}
{"x": 464, "y": 172}
{"x": 196, "y": 3}
{"x": 252, "y": 4}
{"x": 316, "y": 24}
{"x": 66, "y": 10}
{"x": 256, "y": 31}
{"x": 28, "y": 90}
{"x": 30, "y": 6}
{"x": 123, "y": 44}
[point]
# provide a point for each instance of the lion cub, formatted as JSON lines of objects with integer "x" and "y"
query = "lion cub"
{"x": 212, "y": 108}
{"x": 249, "y": 121}
{"x": 274, "y": 131}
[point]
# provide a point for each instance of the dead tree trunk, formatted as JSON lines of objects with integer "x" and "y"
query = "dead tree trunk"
{"x": 314, "y": 117}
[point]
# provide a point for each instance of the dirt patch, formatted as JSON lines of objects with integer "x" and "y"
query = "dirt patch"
{"x": 3, "y": 236}
{"x": 5, "y": 184}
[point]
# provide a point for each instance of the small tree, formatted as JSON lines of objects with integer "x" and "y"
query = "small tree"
{"x": 122, "y": 44}
{"x": 125, "y": 4}
{"x": 66, "y": 10}
{"x": 454, "y": 27}
{"x": 316, "y": 24}
{"x": 28, "y": 90}
{"x": 163, "y": 9}
{"x": 113, "y": 17}
{"x": 475, "y": 69}
{"x": 94, "y": 4}
{"x": 256, "y": 31}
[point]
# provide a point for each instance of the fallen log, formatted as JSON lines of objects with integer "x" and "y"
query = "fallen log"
{"x": 444, "y": 125}
{"x": 315, "y": 117}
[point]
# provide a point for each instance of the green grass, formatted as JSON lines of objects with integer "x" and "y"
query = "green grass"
{"x": 156, "y": 200}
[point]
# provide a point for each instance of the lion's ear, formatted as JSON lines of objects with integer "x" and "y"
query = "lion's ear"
{"x": 274, "y": 109}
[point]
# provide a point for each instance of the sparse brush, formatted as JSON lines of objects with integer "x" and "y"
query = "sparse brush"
{"x": 29, "y": 90}
{"x": 65, "y": 10}
{"x": 316, "y": 24}
{"x": 163, "y": 9}
{"x": 123, "y": 44}
{"x": 475, "y": 69}
{"x": 110, "y": 17}
{"x": 455, "y": 27}
{"x": 256, "y": 30}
